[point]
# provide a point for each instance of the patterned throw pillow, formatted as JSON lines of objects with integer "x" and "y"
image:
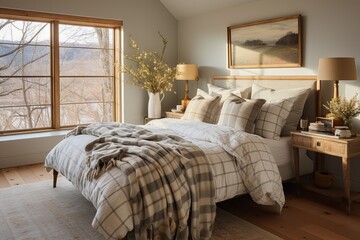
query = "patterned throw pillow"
{"x": 240, "y": 113}
{"x": 224, "y": 94}
{"x": 199, "y": 108}
{"x": 212, "y": 114}
{"x": 272, "y": 118}
{"x": 299, "y": 94}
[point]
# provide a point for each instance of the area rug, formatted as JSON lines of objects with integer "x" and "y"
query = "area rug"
{"x": 37, "y": 211}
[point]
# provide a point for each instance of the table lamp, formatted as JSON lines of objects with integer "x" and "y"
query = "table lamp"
{"x": 335, "y": 69}
{"x": 187, "y": 72}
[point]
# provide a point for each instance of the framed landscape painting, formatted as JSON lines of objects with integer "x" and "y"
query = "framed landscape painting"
{"x": 270, "y": 43}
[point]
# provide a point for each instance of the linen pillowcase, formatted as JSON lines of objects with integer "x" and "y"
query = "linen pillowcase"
{"x": 272, "y": 118}
{"x": 225, "y": 93}
{"x": 212, "y": 115}
{"x": 299, "y": 94}
{"x": 199, "y": 107}
{"x": 240, "y": 113}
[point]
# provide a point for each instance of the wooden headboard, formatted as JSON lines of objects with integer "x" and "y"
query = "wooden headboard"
{"x": 311, "y": 110}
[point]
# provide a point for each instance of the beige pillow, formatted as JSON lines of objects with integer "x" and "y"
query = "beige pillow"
{"x": 199, "y": 108}
{"x": 299, "y": 94}
{"x": 212, "y": 115}
{"x": 240, "y": 113}
{"x": 272, "y": 118}
{"x": 225, "y": 93}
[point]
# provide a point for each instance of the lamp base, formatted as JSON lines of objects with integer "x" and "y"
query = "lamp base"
{"x": 184, "y": 103}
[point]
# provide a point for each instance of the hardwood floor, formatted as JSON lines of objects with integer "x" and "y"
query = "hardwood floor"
{"x": 307, "y": 216}
{"x": 23, "y": 174}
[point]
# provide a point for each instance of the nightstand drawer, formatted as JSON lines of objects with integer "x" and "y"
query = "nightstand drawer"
{"x": 320, "y": 145}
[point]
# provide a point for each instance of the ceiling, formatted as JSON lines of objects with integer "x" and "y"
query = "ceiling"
{"x": 186, "y": 8}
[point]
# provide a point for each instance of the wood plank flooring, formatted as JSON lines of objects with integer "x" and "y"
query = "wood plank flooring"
{"x": 23, "y": 174}
{"x": 307, "y": 216}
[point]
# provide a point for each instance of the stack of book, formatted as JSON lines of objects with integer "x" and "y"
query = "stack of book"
{"x": 318, "y": 127}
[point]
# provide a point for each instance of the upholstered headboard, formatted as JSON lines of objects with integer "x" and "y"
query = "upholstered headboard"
{"x": 312, "y": 105}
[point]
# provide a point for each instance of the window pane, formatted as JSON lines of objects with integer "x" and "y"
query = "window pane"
{"x": 24, "y": 48}
{"x": 79, "y": 36}
{"x": 24, "y": 51}
{"x": 24, "y": 32}
{"x": 80, "y": 94}
{"x": 24, "y": 60}
{"x": 86, "y": 52}
{"x": 82, "y": 113}
{"x": 24, "y": 103}
{"x": 74, "y": 90}
{"x": 86, "y": 62}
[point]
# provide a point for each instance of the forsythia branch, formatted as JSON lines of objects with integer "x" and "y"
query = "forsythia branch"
{"x": 148, "y": 70}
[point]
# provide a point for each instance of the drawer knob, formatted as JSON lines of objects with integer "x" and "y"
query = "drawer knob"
{"x": 318, "y": 144}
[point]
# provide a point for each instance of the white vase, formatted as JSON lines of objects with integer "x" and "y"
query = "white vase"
{"x": 154, "y": 105}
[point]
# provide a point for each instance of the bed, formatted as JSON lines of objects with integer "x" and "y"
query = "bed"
{"x": 163, "y": 179}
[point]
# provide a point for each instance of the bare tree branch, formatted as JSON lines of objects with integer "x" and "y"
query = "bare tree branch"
{"x": 22, "y": 44}
{"x": 5, "y": 93}
{"x": 7, "y": 22}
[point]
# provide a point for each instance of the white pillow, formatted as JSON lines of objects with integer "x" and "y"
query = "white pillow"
{"x": 240, "y": 113}
{"x": 243, "y": 92}
{"x": 199, "y": 108}
{"x": 202, "y": 93}
{"x": 272, "y": 118}
{"x": 299, "y": 94}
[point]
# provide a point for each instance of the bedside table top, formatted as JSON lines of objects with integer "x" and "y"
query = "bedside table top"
{"x": 326, "y": 136}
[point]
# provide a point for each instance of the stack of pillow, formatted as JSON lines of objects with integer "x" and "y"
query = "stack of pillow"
{"x": 263, "y": 111}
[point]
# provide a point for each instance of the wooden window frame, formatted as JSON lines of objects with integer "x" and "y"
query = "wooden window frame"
{"x": 54, "y": 20}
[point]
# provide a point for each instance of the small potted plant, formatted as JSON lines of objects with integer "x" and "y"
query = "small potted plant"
{"x": 344, "y": 109}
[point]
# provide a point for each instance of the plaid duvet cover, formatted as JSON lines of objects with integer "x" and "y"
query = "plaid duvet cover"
{"x": 166, "y": 183}
{"x": 253, "y": 159}
{"x": 239, "y": 163}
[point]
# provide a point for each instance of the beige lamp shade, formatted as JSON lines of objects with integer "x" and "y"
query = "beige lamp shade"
{"x": 335, "y": 69}
{"x": 187, "y": 72}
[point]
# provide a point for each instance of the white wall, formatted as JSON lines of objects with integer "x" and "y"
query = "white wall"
{"x": 141, "y": 18}
{"x": 330, "y": 28}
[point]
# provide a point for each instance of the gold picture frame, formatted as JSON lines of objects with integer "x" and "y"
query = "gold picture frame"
{"x": 273, "y": 43}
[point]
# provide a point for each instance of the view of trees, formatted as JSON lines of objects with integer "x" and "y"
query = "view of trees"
{"x": 26, "y": 72}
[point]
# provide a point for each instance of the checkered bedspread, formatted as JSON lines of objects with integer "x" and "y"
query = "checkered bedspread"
{"x": 253, "y": 159}
{"x": 169, "y": 183}
{"x": 239, "y": 163}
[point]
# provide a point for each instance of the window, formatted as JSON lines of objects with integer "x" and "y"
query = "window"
{"x": 57, "y": 71}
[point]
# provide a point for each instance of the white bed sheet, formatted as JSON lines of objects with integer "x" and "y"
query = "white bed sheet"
{"x": 283, "y": 154}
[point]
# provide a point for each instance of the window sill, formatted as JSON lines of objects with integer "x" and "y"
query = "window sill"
{"x": 33, "y": 135}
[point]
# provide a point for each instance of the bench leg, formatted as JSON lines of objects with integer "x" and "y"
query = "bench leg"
{"x": 55, "y": 175}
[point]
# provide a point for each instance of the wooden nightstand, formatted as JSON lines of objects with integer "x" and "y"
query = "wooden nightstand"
{"x": 174, "y": 115}
{"x": 343, "y": 148}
